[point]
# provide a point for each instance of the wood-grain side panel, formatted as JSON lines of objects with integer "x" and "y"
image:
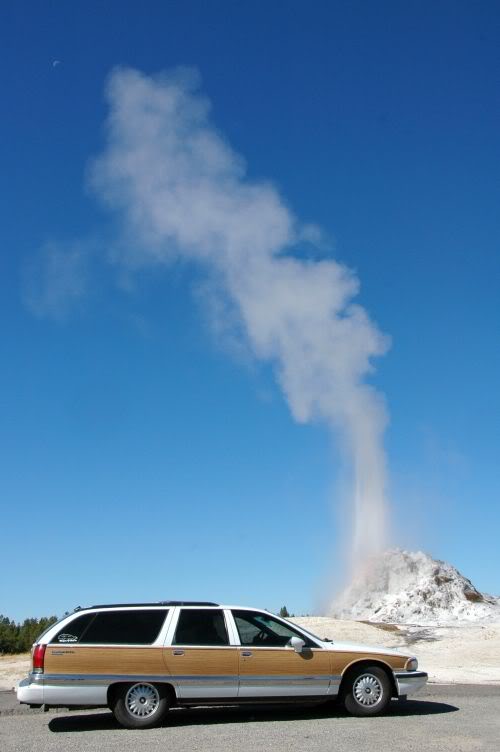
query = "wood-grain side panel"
{"x": 202, "y": 661}
{"x": 343, "y": 659}
{"x": 280, "y": 662}
{"x": 80, "y": 659}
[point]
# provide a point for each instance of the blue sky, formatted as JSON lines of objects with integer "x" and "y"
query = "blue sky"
{"x": 141, "y": 457}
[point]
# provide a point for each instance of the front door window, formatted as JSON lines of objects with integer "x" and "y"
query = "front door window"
{"x": 262, "y": 630}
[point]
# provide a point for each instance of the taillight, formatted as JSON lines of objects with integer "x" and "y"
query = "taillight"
{"x": 38, "y": 656}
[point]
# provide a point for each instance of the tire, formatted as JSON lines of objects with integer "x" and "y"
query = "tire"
{"x": 140, "y": 706}
{"x": 367, "y": 692}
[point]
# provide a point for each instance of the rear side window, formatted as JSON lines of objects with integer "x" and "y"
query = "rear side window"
{"x": 139, "y": 627}
{"x": 201, "y": 627}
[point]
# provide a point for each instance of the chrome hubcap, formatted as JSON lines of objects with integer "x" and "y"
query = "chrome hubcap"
{"x": 142, "y": 700}
{"x": 367, "y": 690}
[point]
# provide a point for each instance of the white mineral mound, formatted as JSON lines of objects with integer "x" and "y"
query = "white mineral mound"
{"x": 404, "y": 587}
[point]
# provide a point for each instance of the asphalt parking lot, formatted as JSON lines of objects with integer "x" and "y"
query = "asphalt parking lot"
{"x": 461, "y": 718}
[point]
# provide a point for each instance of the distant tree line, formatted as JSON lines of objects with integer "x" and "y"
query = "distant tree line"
{"x": 18, "y": 638}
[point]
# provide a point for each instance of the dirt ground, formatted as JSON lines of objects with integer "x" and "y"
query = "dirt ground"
{"x": 459, "y": 654}
{"x": 13, "y": 668}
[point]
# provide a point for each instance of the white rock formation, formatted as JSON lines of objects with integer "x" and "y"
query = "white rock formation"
{"x": 403, "y": 587}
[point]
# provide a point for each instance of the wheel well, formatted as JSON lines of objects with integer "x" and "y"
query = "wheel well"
{"x": 354, "y": 667}
{"x": 113, "y": 689}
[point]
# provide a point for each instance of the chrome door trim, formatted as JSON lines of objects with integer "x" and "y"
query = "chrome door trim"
{"x": 289, "y": 685}
{"x": 101, "y": 679}
{"x": 169, "y": 636}
{"x": 231, "y": 628}
{"x": 234, "y": 637}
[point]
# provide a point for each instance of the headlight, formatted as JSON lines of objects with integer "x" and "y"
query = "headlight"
{"x": 411, "y": 664}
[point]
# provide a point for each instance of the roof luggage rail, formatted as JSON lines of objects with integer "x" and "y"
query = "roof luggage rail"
{"x": 155, "y": 603}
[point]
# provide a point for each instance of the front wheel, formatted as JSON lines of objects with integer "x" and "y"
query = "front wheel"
{"x": 141, "y": 705}
{"x": 368, "y": 691}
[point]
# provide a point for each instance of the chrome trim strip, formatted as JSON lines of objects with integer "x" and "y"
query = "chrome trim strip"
{"x": 253, "y": 678}
{"x": 234, "y": 637}
{"x": 281, "y": 648}
{"x": 49, "y": 678}
{"x": 100, "y": 679}
{"x": 298, "y": 685}
{"x": 282, "y": 684}
{"x": 202, "y": 679}
{"x": 187, "y": 646}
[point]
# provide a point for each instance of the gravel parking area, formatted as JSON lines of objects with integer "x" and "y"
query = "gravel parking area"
{"x": 462, "y": 718}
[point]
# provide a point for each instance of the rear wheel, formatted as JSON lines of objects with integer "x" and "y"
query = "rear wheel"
{"x": 367, "y": 692}
{"x": 140, "y": 705}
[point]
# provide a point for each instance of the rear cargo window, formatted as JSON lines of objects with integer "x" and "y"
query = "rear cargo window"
{"x": 73, "y": 631}
{"x": 138, "y": 627}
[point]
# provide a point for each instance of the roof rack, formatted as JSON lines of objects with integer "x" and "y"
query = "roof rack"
{"x": 155, "y": 603}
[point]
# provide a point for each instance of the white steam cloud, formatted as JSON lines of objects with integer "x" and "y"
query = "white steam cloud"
{"x": 183, "y": 193}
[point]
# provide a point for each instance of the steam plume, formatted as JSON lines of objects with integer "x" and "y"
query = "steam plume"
{"x": 183, "y": 193}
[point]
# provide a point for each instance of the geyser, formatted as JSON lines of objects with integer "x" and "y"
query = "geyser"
{"x": 410, "y": 587}
{"x": 183, "y": 193}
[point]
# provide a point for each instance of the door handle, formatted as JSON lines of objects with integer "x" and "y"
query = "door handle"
{"x": 246, "y": 653}
{"x": 178, "y": 652}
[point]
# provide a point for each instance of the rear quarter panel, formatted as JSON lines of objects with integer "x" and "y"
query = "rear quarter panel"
{"x": 81, "y": 659}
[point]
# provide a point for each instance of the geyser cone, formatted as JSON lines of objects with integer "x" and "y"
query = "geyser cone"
{"x": 405, "y": 587}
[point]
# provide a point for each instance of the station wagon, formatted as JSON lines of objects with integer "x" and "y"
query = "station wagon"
{"x": 142, "y": 659}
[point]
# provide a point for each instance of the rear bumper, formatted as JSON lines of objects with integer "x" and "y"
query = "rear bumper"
{"x": 29, "y": 692}
{"x": 408, "y": 682}
{"x": 49, "y": 689}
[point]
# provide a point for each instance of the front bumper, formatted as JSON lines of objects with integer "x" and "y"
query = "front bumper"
{"x": 408, "y": 682}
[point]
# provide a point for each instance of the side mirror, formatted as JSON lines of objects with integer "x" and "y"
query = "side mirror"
{"x": 297, "y": 644}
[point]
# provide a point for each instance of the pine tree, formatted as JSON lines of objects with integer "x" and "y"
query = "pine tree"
{"x": 18, "y": 638}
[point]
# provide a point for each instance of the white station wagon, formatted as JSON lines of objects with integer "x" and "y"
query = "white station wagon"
{"x": 141, "y": 659}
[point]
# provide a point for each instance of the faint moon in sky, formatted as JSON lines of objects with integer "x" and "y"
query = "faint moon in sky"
{"x": 56, "y": 62}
